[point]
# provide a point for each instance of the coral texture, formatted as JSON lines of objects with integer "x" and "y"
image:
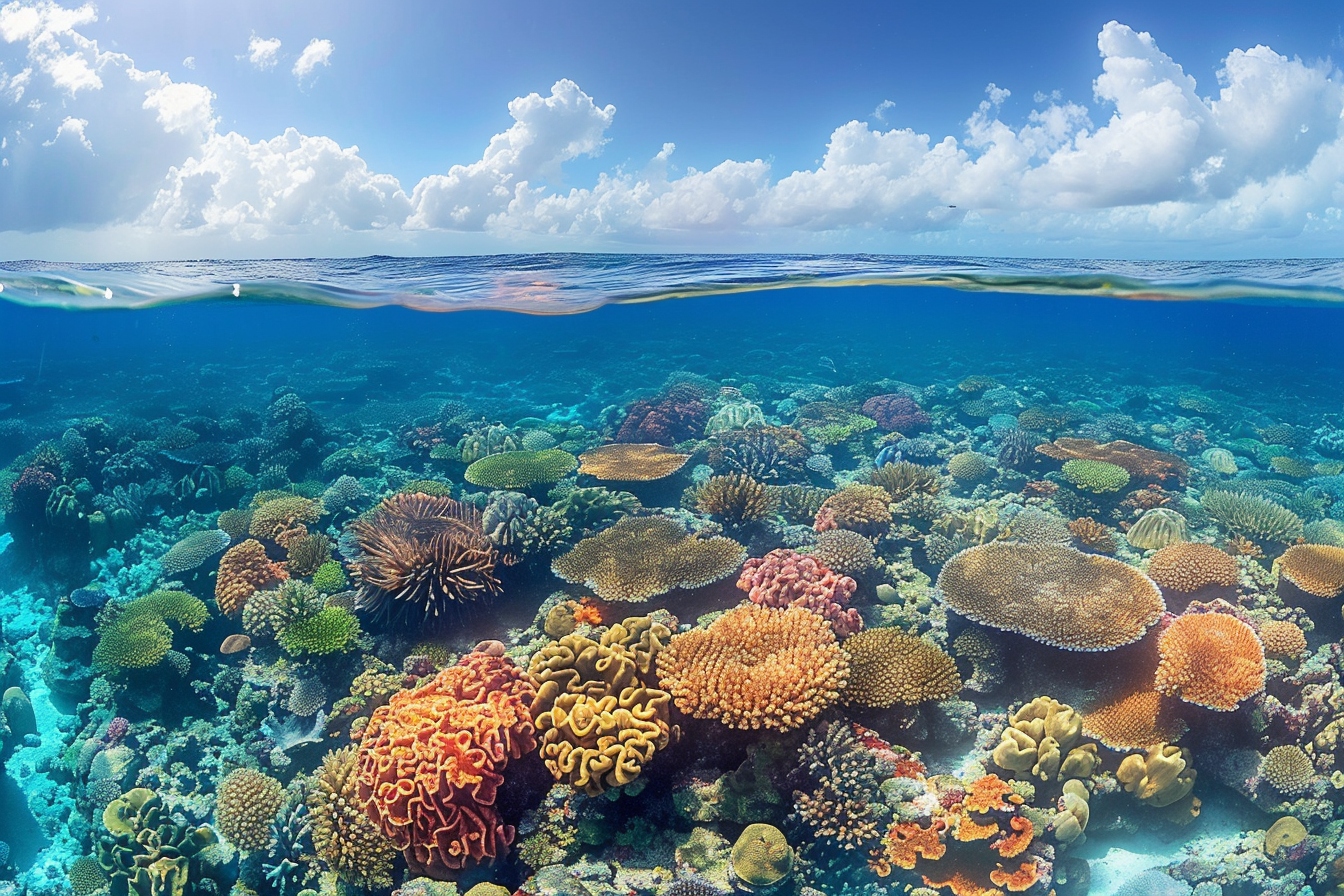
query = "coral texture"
{"x": 1189, "y": 566}
{"x": 1210, "y": 659}
{"x": 888, "y": 666}
{"x": 1315, "y": 568}
{"x": 785, "y": 578}
{"x": 642, "y": 557}
{"x": 244, "y": 570}
{"x": 631, "y": 462}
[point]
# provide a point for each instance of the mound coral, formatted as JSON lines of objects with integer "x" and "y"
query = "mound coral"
{"x": 598, "y": 711}
{"x": 421, "y": 556}
{"x": 631, "y": 462}
{"x": 761, "y": 857}
{"x": 343, "y": 835}
{"x": 1043, "y": 739}
{"x": 1051, "y": 593}
{"x": 1159, "y": 777}
{"x": 1136, "y": 718}
{"x": 1210, "y": 659}
{"x": 243, "y": 571}
{"x": 969, "y": 466}
{"x": 888, "y": 666}
{"x": 247, "y": 805}
{"x": 193, "y": 550}
{"x": 1144, "y": 464}
{"x": 1251, "y": 516}
{"x": 1158, "y": 528}
{"x": 1189, "y": 566}
{"x": 642, "y": 557}
{"x": 756, "y": 667}
{"x": 1096, "y": 476}
{"x": 431, "y": 762}
{"x": 139, "y": 637}
{"x": 676, "y": 417}
{"x": 736, "y": 498}
{"x": 1315, "y": 568}
{"x": 521, "y": 469}
{"x": 896, "y": 413}
{"x": 1288, "y": 769}
{"x": 865, "y": 509}
{"x": 1283, "y": 638}
{"x": 274, "y": 515}
{"x": 785, "y": 578}
{"x": 844, "y": 551}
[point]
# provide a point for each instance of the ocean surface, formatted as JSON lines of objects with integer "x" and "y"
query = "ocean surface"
{"x": 684, "y": 575}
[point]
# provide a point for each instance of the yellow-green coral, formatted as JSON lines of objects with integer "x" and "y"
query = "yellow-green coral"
{"x": 520, "y": 469}
{"x": 761, "y": 857}
{"x": 139, "y": 637}
{"x": 247, "y": 805}
{"x": 343, "y": 835}
{"x": 330, "y": 577}
{"x": 330, "y": 630}
{"x": 1043, "y": 739}
{"x": 143, "y": 850}
{"x": 1096, "y": 476}
{"x": 1160, "y": 777}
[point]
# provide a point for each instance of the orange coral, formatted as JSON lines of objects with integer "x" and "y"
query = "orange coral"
{"x": 1187, "y": 566}
{"x": 888, "y": 666}
{"x": 990, "y": 792}
{"x": 907, "y": 841}
{"x": 1315, "y": 568}
{"x": 631, "y": 462}
{"x": 1016, "y": 881}
{"x": 587, "y": 612}
{"x": 1283, "y": 638}
{"x": 432, "y": 760}
{"x": 969, "y": 830}
{"x": 960, "y": 883}
{"x": 243, "y": 571}
{"x": 1142, "y": 463}
{"x": 1210, "y": 659}
{"x": 1015, "y": 843}
{"x": 1134, "y": 719}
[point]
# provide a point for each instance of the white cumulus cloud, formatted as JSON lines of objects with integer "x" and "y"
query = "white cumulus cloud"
{"x": 318, "y": 52}
{"x": 263, "y": 52}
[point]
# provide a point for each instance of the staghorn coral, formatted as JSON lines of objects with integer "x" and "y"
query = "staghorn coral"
{"x": 1051, "y": 593}
{"x": 784, "y": 578}
{"x": 755, "y": 667}
{"x": 1251, "y": 516}
{"x": 1283, "y": 638}
{"x": 845, "y": 808}
{"x": 643, "y": 557}
{"x": 244, "y": 570}
{"x": 631, "y": 462}
{"x": 1159, "y": 777}
{"x": 192, "y": 551}
{"x": 598, "y": 711}
{"x": 306, "y": 553}
{"x": 248, "y": 802}
{"x": 344, "y": 837}
{"x": 1141, "y": 463}
{"x": 1212, "y": 660}
{"x": 1315, "y": 568}
{"x": 521, "y": 469}
{"x": 431, "y": 762}
{"x": 865, "y": 509}
{"x": 420, "y": 556}
{"x": 1189, "y": 566}
{"x": 888, "y": 666}
{"x": 1096, "y": 476}
{"x": 800, "y": 503}
{"x": 1157, "y": 528}
{"x": 903, "y": 479}
{"x": 330, "y": 578}
{"x": 765, "y": 453}
{"x": 1288, "y": 769}
{"x": 736, "y": 498}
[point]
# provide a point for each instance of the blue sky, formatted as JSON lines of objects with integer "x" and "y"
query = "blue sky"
{"x": 170, "y": 129}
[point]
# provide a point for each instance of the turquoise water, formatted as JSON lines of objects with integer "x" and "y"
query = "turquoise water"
{"x": 273, "y": 558}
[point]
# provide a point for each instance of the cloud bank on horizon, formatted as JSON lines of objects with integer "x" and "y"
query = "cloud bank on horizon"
{"x": 94, "y": 143}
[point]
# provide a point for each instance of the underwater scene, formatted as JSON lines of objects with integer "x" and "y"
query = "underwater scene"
{"x": 672, "y": 576}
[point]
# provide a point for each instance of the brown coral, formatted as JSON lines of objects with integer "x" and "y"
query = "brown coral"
{"x": 735, "y": 498}
{"x": 1141, "y": 463}
{"x": 1092, "y": 534}
{"x": 1134, "y": 719}
{"x": 1051, "y": 593}
{"x": 248, "y": 803}
{"x": 279, "y": 514}
{"x": 1210, "y": 659}
{"x": 865, "y": 509}
{"x": 631, "y": 462}
{"x": 1283, "y": 638}
{"x": 343, "y": 835}
{"x": 1188, "y": 566}
{"x": 420, "y": 556}
{"x": 243, "y": 571}
{"x": 675, "y": 417}
{"x": 888, "y": 666}
{"x": 903, "y": 479}
{"x": 756, "y": 667}
{"x": 642, "y": 557}
{"x": 1288, "y": 769}
{"x": 1315, "y": 568}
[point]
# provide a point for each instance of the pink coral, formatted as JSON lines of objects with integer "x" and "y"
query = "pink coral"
{"x": 784, "y": 578}
{"x": 896, "y": 412}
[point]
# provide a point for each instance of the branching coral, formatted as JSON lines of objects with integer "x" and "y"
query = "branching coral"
{"x": 244, "y": 570}
{"x": 784, "y": 578}
{"x": 765, "y": 453}
{"x": 1052, "y": 593}
{"x": 1288, "y": 768}
{"x": 844, "y": 809}
{"x": 273, "y": 515}
{"x": 675, "y": 417}
{"x": 888, "y": 666}
{"x": 642, "y": 557}
{"x": 432, "y": 760}
{"x": 1210, "y": 659}
{"x": 1252, "y": 516}
{"x": 756, "y": 667}
{"x": 736, "y": 498}
{"x": 1283, "y": 638}
{"x": 903, "y": 479}
{"x": 248, "y": 803}
{"x": 631, "y": 462}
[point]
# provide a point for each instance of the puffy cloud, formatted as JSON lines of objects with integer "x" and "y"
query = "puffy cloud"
{"x": 263, "y": 52}
{"x": 318, "y": 52}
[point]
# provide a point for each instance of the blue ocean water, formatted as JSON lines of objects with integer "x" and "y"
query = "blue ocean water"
{"x": 854, "y": 425}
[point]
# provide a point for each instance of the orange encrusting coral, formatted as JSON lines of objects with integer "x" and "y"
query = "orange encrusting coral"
{"x": 1016, "y": 881}
{"x": 1015, "y": 843}
{"x": 907, "y": 841}
{"x": 243, "y": 571}
{"x": 990, "y": 793}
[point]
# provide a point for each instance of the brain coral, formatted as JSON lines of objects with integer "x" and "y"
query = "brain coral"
{"x": 598, "y": 710}
{"x": 642, "y": 557}
{"x": 521, "y": 469}
{"x": 1189, "y": 566}
{"x": 1051, "y": 593}
{"x": 888, "y": 666}
{"x": 1251, "y": 516}
{"x": 631, "y": 462}
{"x": 1283, "y": 638}
{"x": 865, "y": 509}
{"x": 431, "y": 762}
{"x": 1095, "y": 475}
{"x": 785, "y": 578}
{"x": 1288, "y": 769}
{"x": 1158, "y": 528}
{"x": 193, "y": 550}
{"x": 421, "y": 555}
{"x": 756, "y": 667}
{"x": 244, "y": 570}
{"x": 343, "y": 835}
{"x": 761, "y": 857}
{"x": 1315, "y": 568}
{"x": 896, "y": 412}
{"x": 1210, "y": 659}
{"x": 248, "y": 803}
{"x": 736, "y": 498}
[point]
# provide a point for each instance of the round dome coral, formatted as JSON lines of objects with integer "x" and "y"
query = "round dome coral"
{"x": 1210, "y": 659}
{"x": 1188, "y": 566}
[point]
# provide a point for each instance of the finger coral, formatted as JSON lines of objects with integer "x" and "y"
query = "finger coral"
{"x": 785, "y": 578}
{"x": 631, "y": 462}
{"x": 343, "y": 835}
{"x": 1315, "y": 568}
{"x": 888, "y": 666}
{"x": 642, "y": 557}
{"x": 1189, "y": 566}
{"x": 736, "y": 498}
{"x": 756, "y": 667}
{"x": 248, "y": 803}
{"x": 1210, "y": 659}
{"x": 244, "y": 570}
{"x": 421, "y": 556}
{"x": 1051, "y": 593}
{"x": 431, "y": 762}
{"x": 521, "y": 469}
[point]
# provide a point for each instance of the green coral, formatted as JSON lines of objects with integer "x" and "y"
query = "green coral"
{"x": 1095, "y": 476}
{"x": 330, "y": 630}
{"x": 590, "y": 508}
{"x": 435, "y": 488}
{"x": 969, "y": 466}
{"x": 144, "y": 850}
{"x": 330, "y": 577}
{"x": 520, "y": 469}
{"x": 762, "y": 856}
{"x": 139, "y": 636}
{"x": 1251, "y": 516}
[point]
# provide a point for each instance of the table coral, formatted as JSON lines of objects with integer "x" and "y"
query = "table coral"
{"x": 631, "y": 462}
{"x": 1315, "y": 568}
{"x": 521, "y": 469}
{"x": 1212, "y": 660}
{"x": 1142, "y": 463}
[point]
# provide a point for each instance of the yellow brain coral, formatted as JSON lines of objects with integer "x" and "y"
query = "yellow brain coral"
{"x": 756, "y": 667}
{"x": 1043, "y": 739}
{"x": 888, "y": 666}
{"x": 632, "y": 462}
{"x": 1210, "y": 659}
{"x": 1315, "y": 568}
{"x": 1188, "y": 566}
{"x": 1051, "y": 593}
{"x": 343, "y": 835}
{"x": 1159, "y": 777}
{"x": 642, "y": 557}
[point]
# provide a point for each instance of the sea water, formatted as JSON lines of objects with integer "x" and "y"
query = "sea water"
{"x": 145, "y": 407}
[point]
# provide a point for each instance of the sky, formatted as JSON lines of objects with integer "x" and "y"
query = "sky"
{"x": 185, "y": 128}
